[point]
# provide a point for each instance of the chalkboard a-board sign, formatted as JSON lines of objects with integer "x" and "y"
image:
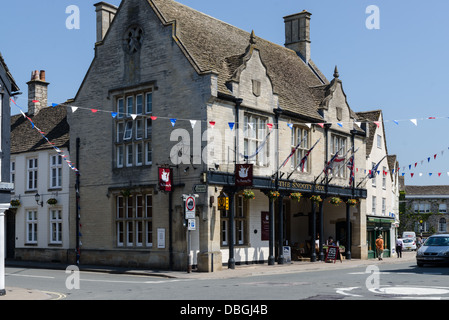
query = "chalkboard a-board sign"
{"x": 333, "y": 253}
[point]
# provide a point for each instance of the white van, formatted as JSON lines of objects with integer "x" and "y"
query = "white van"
{"x": 408, "y": 234}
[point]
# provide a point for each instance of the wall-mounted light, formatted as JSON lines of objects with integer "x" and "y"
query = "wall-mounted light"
{"x": 37, "y": 197}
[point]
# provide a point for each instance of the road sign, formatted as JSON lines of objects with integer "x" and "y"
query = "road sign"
{"x": 190, "y": 207}
{"x": 200, "y": 188}
{"x": 191, "y": 225}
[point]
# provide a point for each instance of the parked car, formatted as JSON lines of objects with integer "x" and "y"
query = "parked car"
{"x": 409, "y": 244}
{"x": 434, "y": 250}
{"x": 409, "y": 234}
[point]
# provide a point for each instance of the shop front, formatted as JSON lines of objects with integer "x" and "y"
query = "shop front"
{"x": 298, "y": 224}
{"x": 376, "y": 226}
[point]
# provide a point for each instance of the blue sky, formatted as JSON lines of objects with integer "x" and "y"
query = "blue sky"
{"x": 400, "y": 68}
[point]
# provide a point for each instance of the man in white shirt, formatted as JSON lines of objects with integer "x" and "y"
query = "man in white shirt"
{"x": 399, "y": 245}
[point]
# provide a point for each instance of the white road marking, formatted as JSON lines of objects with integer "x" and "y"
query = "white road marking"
{"x": 344, "y": 292}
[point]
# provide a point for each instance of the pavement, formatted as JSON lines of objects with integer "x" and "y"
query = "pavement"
{"x": 239, "y": 271}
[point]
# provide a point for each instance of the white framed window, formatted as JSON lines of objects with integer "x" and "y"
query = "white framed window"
{"x": 373, "y": 205}
{"x": 128, "y": 131}
{"x": 149, "y": 219}
{"x": 442, "y": 225}
{"x": 31, "y": 225}
{"x": 442, "y": 208}
{"x": 149, "y": 103}
{"x": 384, "y": 178}
{"x": 55, "y": 171}
{"x": 240, "y": 223}
{"x": 384, "y": 206}
{"x": 374, "y": 176}
{"x": 255, "y": 132}
{"x": 129, "y": 155}
{"x": 133, "y": 136}
{"x": 139, "y": 154}
{"x": 134, "y": 220}
{"x": 148, "y": 153}
{"x": 379, "y": 141}
{"x": 129, "y": 106}
{"x": 120, "y": 108}
{"x": 12, "y": 170}
{"x": 300, "y": 136}
{"x": 32, "y": 174}
{"x": 139, "y": 104}
{"x": 338, "y": 144}
{"x": 120, "y": 158}
{"x": 55, "y": 226}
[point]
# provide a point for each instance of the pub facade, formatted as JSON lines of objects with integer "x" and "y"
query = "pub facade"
{"x": 199, "y": 107}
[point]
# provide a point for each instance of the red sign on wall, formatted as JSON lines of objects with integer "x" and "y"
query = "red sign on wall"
{"x": 165, "y": 179}
{"x": 244, "y": 175}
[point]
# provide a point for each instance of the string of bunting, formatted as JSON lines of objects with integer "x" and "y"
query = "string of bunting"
{"x": 231, "y": 125}
{"x": 59, "y": 151}
{"x": 173, "y": 121}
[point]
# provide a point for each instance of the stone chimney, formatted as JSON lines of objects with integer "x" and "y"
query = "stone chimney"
{"x": 105, "y": 14}
{"x": 297, "y": 33}
{"x": 37, "y": 92}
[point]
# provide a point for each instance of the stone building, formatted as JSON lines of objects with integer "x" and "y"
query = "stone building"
{"x": 190, "y": 97}
{"x": 382, "y": 207}
{"x": 426, "y": 210}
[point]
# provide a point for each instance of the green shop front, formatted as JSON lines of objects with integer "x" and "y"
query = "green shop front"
{"x": 376, "y": 226}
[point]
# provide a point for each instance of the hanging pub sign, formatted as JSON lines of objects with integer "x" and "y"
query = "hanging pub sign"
{"x": 244, "y": 175}
{"x": 165, "y": 179}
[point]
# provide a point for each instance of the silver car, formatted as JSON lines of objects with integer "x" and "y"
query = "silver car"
{"x": 434, "y": 250}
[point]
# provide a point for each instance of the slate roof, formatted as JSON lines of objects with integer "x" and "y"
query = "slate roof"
{"x": 52, "y": 121}
{"x": 215, "y": 46}
{"x": 427, "y": 190}
{"x": 372, "y": 116}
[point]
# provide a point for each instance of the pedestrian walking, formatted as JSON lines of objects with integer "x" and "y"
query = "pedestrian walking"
{"x": 399, "y": 245}
{"x": 379, "y": 247}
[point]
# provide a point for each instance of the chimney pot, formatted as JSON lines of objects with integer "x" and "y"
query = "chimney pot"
{"x": 297, "y": 33}
{"x": 105, "y": 14}
{"x": 37, "y": 91}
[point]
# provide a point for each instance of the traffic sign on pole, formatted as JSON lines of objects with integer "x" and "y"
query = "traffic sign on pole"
{"x": 190, "y": 207}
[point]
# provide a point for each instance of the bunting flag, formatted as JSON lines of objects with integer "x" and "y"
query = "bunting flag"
{"x": 292, "y": 153}
{"x": 261, "y": 146}
{"x": 192, "y": 123}
{"x": 59, "y": 151}
{"x": 330, "y": 164}
{"x": 374, "y": 170}
{"x": 173, "y": 122}
{"x": 231, "y": 125}
{"x": 303, "y": 161}
{"x": 212, "y": 124}
{"x": 350, "y": 166}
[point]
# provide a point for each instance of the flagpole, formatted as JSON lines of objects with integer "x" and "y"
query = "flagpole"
{"x": 307, "y": 154}
{"x": 371, "y": 170}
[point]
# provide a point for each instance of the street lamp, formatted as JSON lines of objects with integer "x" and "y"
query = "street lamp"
{"x": 37, "y": 197}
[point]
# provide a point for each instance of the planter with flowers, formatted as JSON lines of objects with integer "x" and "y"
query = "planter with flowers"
{"x": 296, "y": 196}
{"x": 352, "y": 202}
{"x": 248, "y": 194}
{"x": 316, "y": 199}
{"x": 52, "y": 201}
{"x": 15, "y": 203}
{"x": 273, "y": 194}
{"x": 335, "y": 201}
